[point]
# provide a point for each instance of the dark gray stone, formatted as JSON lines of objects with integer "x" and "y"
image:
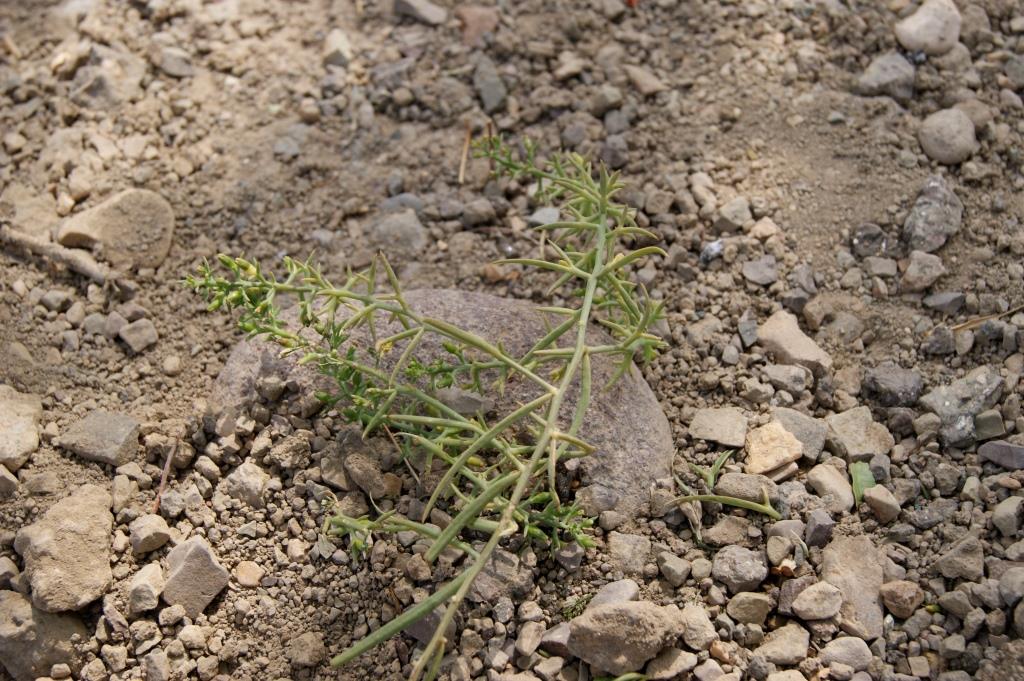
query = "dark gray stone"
{"x": 489, "y": 85}
{"x": 1003, "y": 453}
{"x": 868, "y": 240}
{"x": 939, "y": 342}
{"x": 933, "y": 514}
{"x": 819, "y": 527}
{"x": 947, "y": 302}
{"x": 892, "y": 385}
{"x": 504, "y": 575}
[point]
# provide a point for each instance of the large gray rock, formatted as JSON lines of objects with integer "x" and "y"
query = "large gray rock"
{"x": 854, "y": 566}
{"x": 19, "y": 427}
{"x": 854, "y": 435}
{"x": 1003, "y": 453}
{"x": 936, "y": 216}
{"x": 131, "y": 228}
{"x": 892, "y": 385}
{"x": 958, "y": 403}
{"x": 104, "y": 437}
{"x": 194, "y": 576}
{"x": 781, "y": 335}
{"x": 31, "y": 640}
{"x": 963, "y": 560}
{"x": 67, "y": 551}
{"x": 887, "y": 74}
{"x": 619, "y": 638}
{"x": 632, "y": 439}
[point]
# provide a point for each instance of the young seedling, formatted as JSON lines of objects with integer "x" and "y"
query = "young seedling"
{"x": 499, "y": 475}
{"x": 710, "y": 475}
{"x": 764, "y": 507}
{"x": 861, "y": 478}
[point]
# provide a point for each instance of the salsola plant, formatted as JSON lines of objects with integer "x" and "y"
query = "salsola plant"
{"x": 500, "y": 472}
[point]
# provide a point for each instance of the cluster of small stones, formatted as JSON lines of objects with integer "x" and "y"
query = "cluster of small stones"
{"x": 803, "y": 362}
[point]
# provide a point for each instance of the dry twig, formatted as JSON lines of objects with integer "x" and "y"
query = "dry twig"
{"x": 74, "y": 259}
{"x": 163, "y": 476}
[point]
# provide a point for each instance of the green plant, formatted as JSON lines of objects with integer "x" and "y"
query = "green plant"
{"x": 500, "y": 475}
{"x": 764, "y": 507}
{"x": 861, "y": 478}
{"x": 710, "y": 475}
{"x": 576, "y": 608}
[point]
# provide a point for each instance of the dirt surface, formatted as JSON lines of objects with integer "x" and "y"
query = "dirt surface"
{"x": 266, "y": 144}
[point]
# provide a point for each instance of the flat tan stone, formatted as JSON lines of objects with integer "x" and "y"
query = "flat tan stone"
{"x": 781, "y": 335}
{"x": 130, "y": 229}
{"x": 248, "y": 574}
{"x": 770, "y": 447}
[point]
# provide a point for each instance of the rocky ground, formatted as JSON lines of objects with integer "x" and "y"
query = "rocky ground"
{"x": 838, "y": 188}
